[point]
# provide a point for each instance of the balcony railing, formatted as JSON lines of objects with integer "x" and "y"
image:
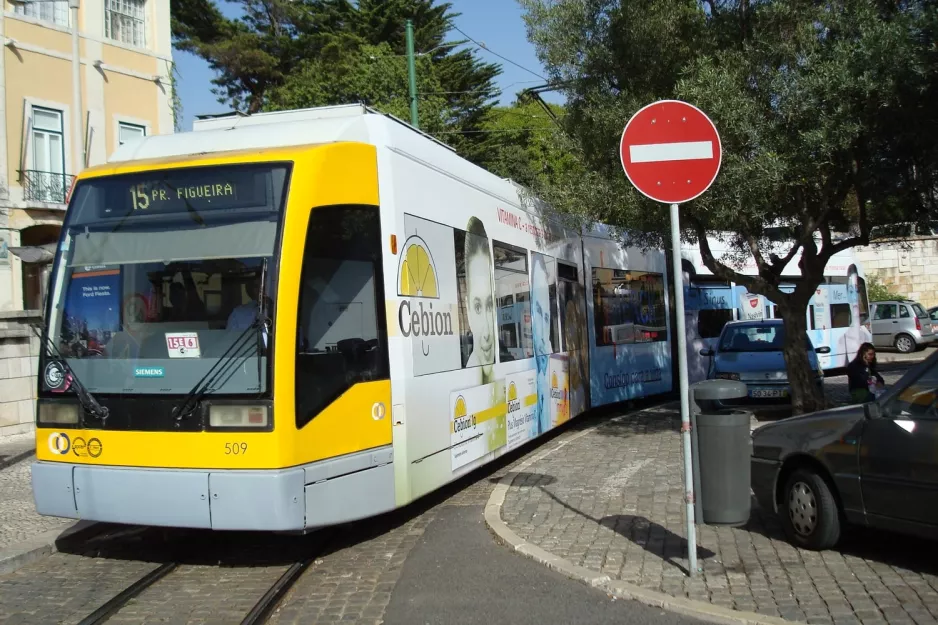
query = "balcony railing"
{"x": 45, "y": 186}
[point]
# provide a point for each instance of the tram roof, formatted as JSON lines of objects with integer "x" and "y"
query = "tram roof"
{"x": 315, "y": 126}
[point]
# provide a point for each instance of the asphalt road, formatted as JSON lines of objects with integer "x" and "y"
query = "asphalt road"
{"x": 457, "y": 574}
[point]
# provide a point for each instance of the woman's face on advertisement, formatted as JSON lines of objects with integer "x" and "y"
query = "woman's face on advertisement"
{"x": 481, "y": 307}
{"x": 540, "y": 311}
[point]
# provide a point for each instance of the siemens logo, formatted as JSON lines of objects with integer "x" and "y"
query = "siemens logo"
{"x": 148, "y": 372}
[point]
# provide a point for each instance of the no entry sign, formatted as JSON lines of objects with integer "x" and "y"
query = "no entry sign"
{"x": 670, "y": 151}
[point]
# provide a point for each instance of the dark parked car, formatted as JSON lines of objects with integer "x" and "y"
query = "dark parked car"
{"x": 874, "y": 464}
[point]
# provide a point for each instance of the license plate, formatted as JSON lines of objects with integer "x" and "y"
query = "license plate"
{"x": 769, "y": 392}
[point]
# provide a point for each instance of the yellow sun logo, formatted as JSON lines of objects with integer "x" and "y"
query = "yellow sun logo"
{"x": 417, "y": 276}
{"x": 460, "y": 409}
{"x": 512, "y": 392}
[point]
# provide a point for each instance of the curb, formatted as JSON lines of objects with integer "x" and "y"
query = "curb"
{"x": 616, "y": 588}
{"x": 42, "y": 545}
{"x": 17, "y": 457}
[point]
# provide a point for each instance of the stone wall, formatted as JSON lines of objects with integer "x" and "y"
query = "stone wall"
{"x": 909, "y": 268}
{"x": 19, "y": 357}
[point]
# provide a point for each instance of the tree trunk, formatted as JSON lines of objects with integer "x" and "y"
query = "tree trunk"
{"x": 802, "y": 378}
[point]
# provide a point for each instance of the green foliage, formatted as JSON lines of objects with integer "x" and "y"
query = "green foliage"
{"x": 808, "y": 98}
{"x": 373, "y": 75}
{"x": 175, "y": 98}
{"x": 521, "y": 142}
{"x": 825, "y": 113}
{"x": 879, "y": 292}
{"x": 299, "y": 53}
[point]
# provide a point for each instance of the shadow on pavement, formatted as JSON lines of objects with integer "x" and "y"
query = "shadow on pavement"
{"x": 653, "y": 538}
{"x": 650, "y": 536}
{"x": 876, "y": 547}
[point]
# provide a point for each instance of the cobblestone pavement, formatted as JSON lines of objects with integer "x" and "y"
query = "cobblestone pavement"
{"x": 18, "y": 518}
{"x": 355, "y": 583}
{"x": 351, "y": 581}
{"x": 611, "y": 501}
{"x": 11, "y": 446}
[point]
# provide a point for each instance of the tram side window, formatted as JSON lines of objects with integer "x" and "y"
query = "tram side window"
{"x": 341, "y": 333}
{"x": 840, "y": 316}
{"x": 710, "y": 322}
{"x": 628, "y": 306}
{"x": 515, "y": 339}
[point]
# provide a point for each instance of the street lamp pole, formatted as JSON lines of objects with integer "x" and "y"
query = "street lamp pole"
{"x": 77, "y": 135}
{"x": 412, "y": 75}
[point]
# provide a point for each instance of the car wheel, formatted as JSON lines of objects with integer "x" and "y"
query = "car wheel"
{"x": 809, "y": 512}
{"x": 905, "y": 343}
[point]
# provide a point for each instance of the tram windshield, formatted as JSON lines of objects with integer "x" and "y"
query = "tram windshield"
{"x": 160, "y": 274}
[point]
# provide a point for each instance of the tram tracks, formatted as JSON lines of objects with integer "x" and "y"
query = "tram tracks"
{"x": 257, "y": 615}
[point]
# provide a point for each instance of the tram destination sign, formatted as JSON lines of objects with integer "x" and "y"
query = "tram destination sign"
{"x": 186, "y": 190}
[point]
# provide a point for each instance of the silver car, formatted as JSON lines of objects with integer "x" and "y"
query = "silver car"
{"x": 903, "y": 324}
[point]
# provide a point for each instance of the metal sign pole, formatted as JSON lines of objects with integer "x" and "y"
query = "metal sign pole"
{"x": 685, "y": 403}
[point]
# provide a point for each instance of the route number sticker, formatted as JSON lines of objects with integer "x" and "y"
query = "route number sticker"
{"x": 183, "y": 345}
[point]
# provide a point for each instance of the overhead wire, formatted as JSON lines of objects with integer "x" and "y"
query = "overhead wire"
{"x": 482, "y": 46}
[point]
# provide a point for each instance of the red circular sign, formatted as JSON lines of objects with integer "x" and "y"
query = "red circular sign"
{"x": 670, "y": 151}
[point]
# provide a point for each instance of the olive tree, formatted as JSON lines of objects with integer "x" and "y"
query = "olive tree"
{"x": 825, "y": 112}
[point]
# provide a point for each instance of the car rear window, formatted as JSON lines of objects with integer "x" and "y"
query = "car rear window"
{"x": 919, "y": 311}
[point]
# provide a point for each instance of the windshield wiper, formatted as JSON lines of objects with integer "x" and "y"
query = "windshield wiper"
{"x": 87, "y": 400}
{"x": 261, "y": 322}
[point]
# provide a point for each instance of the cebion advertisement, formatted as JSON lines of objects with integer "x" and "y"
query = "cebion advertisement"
{"x": 490, "y": 370}
{"x": 478, "y": 424}
{"x": 521, "y": 399}
{"x": 559, "y": 390}
{"x": 427, "y": 310}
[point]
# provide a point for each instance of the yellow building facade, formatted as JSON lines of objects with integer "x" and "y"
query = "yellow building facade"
{"x": 125, "y": 69}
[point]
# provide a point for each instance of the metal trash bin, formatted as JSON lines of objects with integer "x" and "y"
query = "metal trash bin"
{"x": 721, "y": 450}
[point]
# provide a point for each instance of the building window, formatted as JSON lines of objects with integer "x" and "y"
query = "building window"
{"x": 47, "y": 180}
{"x": 129, "y": 132}
{"x": 125, "y": 20}
{"x": 54, "y": 11}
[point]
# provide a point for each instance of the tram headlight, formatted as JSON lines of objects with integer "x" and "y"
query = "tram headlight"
{"x": 58, "y": 412}
{"x": 238, "y": 416}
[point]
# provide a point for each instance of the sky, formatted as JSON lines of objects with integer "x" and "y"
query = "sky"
{"x": 495, "y": 23}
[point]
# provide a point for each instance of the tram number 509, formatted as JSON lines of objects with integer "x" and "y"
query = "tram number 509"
{"x": 236, "y": 449}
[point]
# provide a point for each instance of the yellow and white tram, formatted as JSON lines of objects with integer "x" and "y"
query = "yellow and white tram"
{"x": 291, "y": 320}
